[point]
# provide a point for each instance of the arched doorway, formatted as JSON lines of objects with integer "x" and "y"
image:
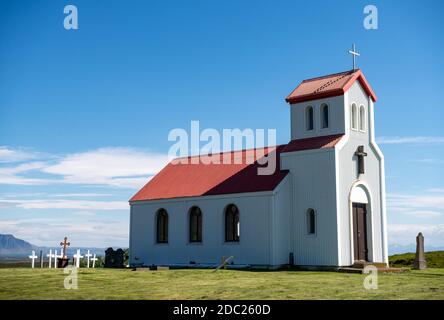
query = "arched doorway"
{"x": 360, "y": 222}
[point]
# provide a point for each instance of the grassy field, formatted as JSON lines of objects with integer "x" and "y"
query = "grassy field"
{"x": 435, "y": 259}
{"x": 26, "y": 283}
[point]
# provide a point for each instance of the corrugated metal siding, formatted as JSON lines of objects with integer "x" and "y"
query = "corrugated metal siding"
{"x": 253, "y": 248}
{"x": 314, "y": 186}
{"x": 282, "y": 223}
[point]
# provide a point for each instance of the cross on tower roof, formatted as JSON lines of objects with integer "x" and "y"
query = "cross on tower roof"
{"x": 355, "y": 54}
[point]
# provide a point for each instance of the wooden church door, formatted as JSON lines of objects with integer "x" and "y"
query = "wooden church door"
{"x": 360, "y": 231}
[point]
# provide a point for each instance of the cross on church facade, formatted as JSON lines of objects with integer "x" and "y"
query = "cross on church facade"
{"x": 355, "y": 54}
{"x": 360, "y": 154}
{"x": 65, "y": 244}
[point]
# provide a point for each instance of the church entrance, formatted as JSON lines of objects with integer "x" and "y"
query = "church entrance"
{"x": 360, "y": 231}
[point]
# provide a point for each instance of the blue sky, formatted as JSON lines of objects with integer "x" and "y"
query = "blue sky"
{"x": 85, "y": 114}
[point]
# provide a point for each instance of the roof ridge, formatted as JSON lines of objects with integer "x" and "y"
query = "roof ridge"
{"x": 331, "y": 75}
{"x": 330, "y": 82}
{"x": 230, "y": 151}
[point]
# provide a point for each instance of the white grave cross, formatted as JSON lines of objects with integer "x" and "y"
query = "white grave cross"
{"x": 33, "y": 257}
{"x": 50, "y": 255}
{"x": 57, "y": 256}
{"x": 94, "y": 259}
{"x": 88, "y": 255}
{"x": 77, "y": 257}
{"x": 55, "y": 261}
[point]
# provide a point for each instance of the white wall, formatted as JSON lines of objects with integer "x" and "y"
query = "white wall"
{"x": 281, "y": 222}
{"x": 348, "y": 176}
{"x": 313, "y": 182}
{"x": 253, "y": 248}
{"x": 336, "y": 118}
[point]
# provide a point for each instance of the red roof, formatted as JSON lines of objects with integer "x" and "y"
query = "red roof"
{"x": 201, "y": 179}
{"x": 178, "y": 180}
{"x": 329, "y": 86}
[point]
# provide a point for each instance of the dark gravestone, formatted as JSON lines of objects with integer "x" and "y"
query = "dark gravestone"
{"x": 62, "y": 262}
{"x": 420, "y": 262}
{"x": 114, "y": 258}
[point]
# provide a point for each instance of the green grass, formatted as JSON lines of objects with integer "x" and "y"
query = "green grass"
{"x": 26, "y": 283}
{"x": 435, "y": 259}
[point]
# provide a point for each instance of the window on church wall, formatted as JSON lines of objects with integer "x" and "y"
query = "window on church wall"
{"x": 324, "y": 116}
{"x": 195, "y": 224}
{"x": 232, "y": 225}
{"x": 311, "y": 222}
{"x": 309, "y": 120}
{"x": 362, "y": 118}
{"x": 162, "y": 226}
{"x": 354, "y": 117}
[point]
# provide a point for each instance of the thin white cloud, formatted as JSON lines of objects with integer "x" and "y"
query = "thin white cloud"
{"x": 405, "y": 234}
{"x": 9, "y": 155}
{"x": 23, "y": 181}
{"x": 113, "y": 166}
{"x": 84, "y": 213}
{"x": 424, "y": 213}
{"x": 81, "y": 195}
{"x": 64, "y": 204}
{"x": 402, "y": 202}
{"x": 82, "y": 231}
{"x": 431, "y": 161}
{"x": 55, "y": 195}
{"x": 24, "y": 194}
{"x": 13, "y": 174}
{"x": 24, "y": 167}
{"x": 410, "y": 140}
{"x": 422, "y": 206}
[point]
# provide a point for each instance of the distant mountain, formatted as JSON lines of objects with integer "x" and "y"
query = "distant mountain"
{"x": 10, "y": 245}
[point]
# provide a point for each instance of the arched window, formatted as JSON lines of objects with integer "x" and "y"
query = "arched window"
{"x": 162, "y": 226}
{"x": 311, "y": 221}
{"x": 309, "y": 125}
{"x": 362, "y": 118}
{"x": 195, "y": 224}
{"x": 324, "y": 116}
{"x": 232, "y": 226}
{"x": 354, "y": 117}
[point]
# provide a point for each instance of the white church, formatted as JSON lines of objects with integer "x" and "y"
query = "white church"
{"x": 324, "y": 205}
